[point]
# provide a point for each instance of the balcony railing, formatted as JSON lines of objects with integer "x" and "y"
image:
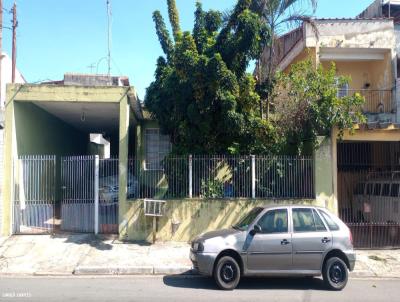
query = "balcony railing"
{"x": 376, "y": 101}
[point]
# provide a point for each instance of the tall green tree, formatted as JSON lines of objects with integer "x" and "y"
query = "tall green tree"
{"x": 202, "y": 96}
{"x": 279, "y": 15}
{"x": 174, "y": 18}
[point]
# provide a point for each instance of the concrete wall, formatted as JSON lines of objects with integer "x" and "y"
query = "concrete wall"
{"x": 187, "y": 218}
{"x": 374, "y": 10}
{"x": 40, "y": 133}
{"x": 368, "y": 34}
{"x": 325, "y": 171}
{"x": 307, "y": 53}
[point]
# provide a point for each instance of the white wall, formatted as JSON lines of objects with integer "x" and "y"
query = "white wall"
{"x": 6, "y": 72}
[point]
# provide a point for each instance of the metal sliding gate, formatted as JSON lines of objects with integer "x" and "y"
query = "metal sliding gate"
{"x": 369, "y": 192}
{"x": 48, "y": 191}
{"x": 34, "y": 194}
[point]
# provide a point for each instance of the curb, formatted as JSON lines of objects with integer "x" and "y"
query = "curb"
{"x": 134, "y": 270}
{"x": 363, "y": 274}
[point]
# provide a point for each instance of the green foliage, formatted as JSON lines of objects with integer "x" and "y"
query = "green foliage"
{"x": 279, "y": 16}
{"x": 174, "y": 18}
{"x": 212, "y": 188}
{"x": 205, "y": 101}
{"x": 162, "y": 33}
{"x": 308, "y": 106}
{"x": 202, "y": 96}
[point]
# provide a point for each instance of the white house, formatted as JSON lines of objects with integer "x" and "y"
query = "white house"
{"x": 6, "y": 74}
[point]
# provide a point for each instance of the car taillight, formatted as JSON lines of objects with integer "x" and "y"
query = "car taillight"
{"x": 351, "y": 237}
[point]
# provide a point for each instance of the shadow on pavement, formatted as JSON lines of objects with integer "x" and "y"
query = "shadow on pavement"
{"x": 89, "y": 239}
{"x": 246, "y": 283}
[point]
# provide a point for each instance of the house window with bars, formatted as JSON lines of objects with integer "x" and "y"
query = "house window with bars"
{"x": 343, "y": 90}
{"x": 157, "y": 148}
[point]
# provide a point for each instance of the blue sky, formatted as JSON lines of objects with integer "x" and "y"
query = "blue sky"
{"x": 58, "y": 36}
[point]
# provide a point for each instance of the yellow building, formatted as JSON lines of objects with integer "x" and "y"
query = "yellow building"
{"x": 358, "y": 174}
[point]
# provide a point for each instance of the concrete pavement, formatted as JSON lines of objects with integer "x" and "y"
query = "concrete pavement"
{"x": 172, "y": 288}
{"x": 85, "y": 254}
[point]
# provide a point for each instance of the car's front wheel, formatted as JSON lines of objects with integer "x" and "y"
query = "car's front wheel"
{"x": 227, "y": 273}
{"x": 335, "y": 273}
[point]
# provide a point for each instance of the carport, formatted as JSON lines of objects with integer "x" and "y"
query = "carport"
{"x": 368, "y": 185}
{"x": 56, "y": 154}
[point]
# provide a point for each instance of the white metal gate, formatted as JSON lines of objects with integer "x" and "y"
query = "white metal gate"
{"x": 77, "y": 196}
{"x": 85, "y": 180}
{"x": 34, "y": 194}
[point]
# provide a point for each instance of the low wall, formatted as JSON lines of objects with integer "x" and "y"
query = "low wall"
{"x": 187, "y": 218}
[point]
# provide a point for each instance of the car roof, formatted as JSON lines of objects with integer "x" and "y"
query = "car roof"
{"x": 271, "y": 206}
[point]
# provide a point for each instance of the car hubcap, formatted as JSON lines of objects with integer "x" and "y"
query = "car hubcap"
{"x": 228, "y": 272}
{"x": 337, "y": 272}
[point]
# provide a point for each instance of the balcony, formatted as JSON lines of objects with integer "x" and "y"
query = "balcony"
{"x": 376, "y": 100}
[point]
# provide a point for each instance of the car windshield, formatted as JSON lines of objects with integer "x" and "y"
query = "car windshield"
{"x": 244, "y": 223}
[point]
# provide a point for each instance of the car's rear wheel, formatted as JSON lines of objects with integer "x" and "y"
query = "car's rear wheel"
{"x": 335, "y": 273}
{"x": 227, "y": 273}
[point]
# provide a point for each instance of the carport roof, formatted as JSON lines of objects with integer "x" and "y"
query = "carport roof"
{"x": 85, "y": 107}
{"x": 75, "y": 94}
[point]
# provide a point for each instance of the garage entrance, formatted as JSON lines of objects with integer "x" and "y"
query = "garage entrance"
{"x": 369, "y": 192}
{"x": 67, "y": 160}
{"x": 84, "y": 180}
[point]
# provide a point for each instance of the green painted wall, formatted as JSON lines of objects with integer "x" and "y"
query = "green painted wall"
{"x": 40, "y": 133}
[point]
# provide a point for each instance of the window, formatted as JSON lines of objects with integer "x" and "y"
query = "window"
{"x": 319, "y": 225}
{"x": 369, "y": 188}
{"x": 386, "y": 190}
{"x": 394, "y": 190}
{"x": 305, "y": 221}
{"x": 244, "y": 223}
{"x": 343, "y": 90}
{"x": 157, "y": 147}
{"x": 377, "y": 189}
{"x": 274, "y": 221}
{"x": 329, "y": 221}
{"x": 359, "y": 190}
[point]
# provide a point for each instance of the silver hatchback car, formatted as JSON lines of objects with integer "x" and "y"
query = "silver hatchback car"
{"x": 277, "y": 241}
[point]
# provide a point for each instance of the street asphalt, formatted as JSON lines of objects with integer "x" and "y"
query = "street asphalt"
{"x": 189, "y": 288}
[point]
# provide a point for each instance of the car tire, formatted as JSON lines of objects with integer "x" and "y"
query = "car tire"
{"x": 335, "y": 274}
{"x": 227, "y": 273}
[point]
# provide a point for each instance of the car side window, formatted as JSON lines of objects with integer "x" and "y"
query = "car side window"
{"x": 319, "y": 224}
{"x": 274, "y": 221}
{"x": 329, "y": 221}
{"x": 305, "y": 221}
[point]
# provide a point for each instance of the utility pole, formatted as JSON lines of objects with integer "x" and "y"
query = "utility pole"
{"x": 14, "y": 41}
{"x": 109, "y": 15}
{"x": 1, "y": 42}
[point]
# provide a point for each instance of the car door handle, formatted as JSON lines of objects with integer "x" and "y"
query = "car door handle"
{"x": 285, "y": 242}
{"x": 325, "y": 240}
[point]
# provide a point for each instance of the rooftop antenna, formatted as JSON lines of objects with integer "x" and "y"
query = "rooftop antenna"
{"x": 109, "y": 17}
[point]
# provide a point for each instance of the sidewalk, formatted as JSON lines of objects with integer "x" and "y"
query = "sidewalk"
{"x": 84, "y": 254}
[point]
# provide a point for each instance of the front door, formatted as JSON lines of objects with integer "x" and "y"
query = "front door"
{"x": 310, "y": 239}
{"x": 271, "y": 249}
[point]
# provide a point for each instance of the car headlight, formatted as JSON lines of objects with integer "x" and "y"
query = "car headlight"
{"x": 197, "y": 246}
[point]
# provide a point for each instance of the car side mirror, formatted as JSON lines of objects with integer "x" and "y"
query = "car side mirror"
{"x": 256, "y": 229}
